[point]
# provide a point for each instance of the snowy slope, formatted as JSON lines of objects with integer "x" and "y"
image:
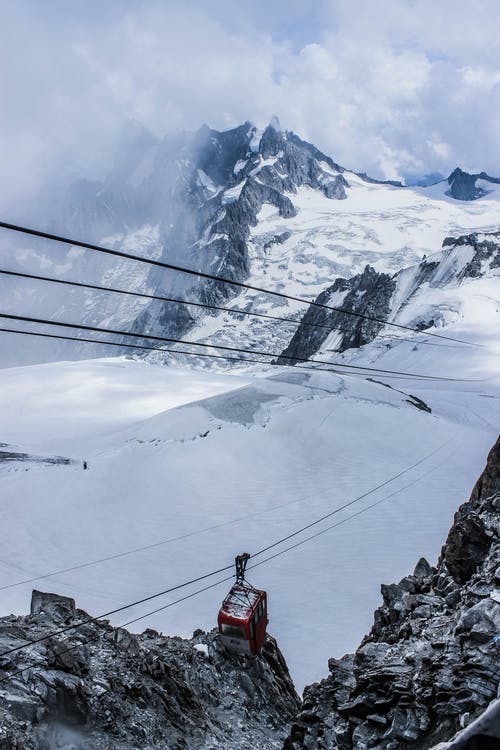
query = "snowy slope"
{"x": 205, "y": 466}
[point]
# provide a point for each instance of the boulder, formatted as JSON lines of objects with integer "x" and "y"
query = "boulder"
{"x": 56, "y": 606}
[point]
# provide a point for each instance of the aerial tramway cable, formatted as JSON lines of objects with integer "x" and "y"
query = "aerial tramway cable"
{"x": 160, "y": 543}
{"x": 140, "y": 335}
{"x": 220, "y": 279}
{"x": 339, "y": 523}
{"x": 238, "y": 360}
{"x": 114, "y": 290}
{"x": 163, "y": 349}
{"x": 347, "y": 505}
{"x": 123, "y": 625}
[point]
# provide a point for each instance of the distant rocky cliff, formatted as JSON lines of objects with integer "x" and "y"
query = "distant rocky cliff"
{"x": 101, "y": 688}
{"x": 470, "y": 187}
{"x": 378, "y": 295}
{"x": 431, "y": 663}
{"x": 368, "y": 294}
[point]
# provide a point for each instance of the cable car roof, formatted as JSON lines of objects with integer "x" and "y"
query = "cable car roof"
{"x": 241, "y": 601}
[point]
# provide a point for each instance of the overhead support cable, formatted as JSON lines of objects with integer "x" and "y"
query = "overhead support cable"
{"x": 163, "y": 542}
{"x": 163, "y": 349}
{"x": 219, "y": 279}
{"x": 237, "y": 360}
{"x": 338, "y": 523}
{"x": 145, "y": 599}
{"x": 42, "y": 663}
{"x": 256, "y": 352}
{"x": 231, "y": 310}
{"x": 351, "y": 502}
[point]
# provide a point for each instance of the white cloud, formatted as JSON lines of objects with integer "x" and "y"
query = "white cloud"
{"x": 389, "y": 87}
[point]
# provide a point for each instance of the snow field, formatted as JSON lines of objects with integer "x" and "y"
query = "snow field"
{"x": 219, "y": 464}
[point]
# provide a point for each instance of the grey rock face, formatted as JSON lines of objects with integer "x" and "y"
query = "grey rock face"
{"x": 371, "y": 294}
{"x": 100, "y": 688}
{"x": 431, "y": 663}
{"x": 336, "y": 188}
{"x": 463, "y": 185}
{"x": 368, "y": 294}
{"x": 53, "y": 605}
{"x": 481, "y": 734}
{"x": 486, "y": 253}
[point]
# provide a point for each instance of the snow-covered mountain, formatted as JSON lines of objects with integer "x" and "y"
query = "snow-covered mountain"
{"x": 259, "y": 206}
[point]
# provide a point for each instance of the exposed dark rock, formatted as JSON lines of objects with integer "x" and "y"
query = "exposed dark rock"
{"x": 431, "y": 663}
{"x": 467, "y": 546}
{"x": 463, "y": 185}
{"x": 99, "y": 688}
{"x": 55, "y": 606}
{"x": 16, "y": 456}
{"x": 485, "y": 255}
{"x": 373, "y": 181}
{"x": 368, "y": 294}
{"x": 481, "y": 734}
{"x": 335, "y": 188}
{"x": 277, "y": 239}
{"x": 372, "y": 295}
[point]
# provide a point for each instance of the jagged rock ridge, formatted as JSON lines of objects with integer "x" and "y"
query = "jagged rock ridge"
{"x": 431, "y": 663}
{"x": 379, "y": 295}
{"x": 204, "y": 190}
{"x": 464, "y": 186}
{"x": 98, "y": 687}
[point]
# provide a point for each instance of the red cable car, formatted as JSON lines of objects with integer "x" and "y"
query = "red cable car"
{"x": 242, "y": 618}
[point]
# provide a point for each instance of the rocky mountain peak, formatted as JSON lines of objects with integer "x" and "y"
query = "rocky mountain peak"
{"x": 464, "y": 187}
{"x": 272, "y": 141}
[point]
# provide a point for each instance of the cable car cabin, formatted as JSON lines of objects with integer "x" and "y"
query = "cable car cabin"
{"x": 243, "y": 619}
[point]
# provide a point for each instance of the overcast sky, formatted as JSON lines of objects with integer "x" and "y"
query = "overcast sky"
{"x": 390, "y": 87}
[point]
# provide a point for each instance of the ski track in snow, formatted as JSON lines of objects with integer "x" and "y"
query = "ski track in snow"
{"x": 233, "y": 463}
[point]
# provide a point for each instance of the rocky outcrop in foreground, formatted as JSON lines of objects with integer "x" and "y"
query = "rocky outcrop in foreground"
{"x": 101, "y": 688}
{"x": 431, "y": 663}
